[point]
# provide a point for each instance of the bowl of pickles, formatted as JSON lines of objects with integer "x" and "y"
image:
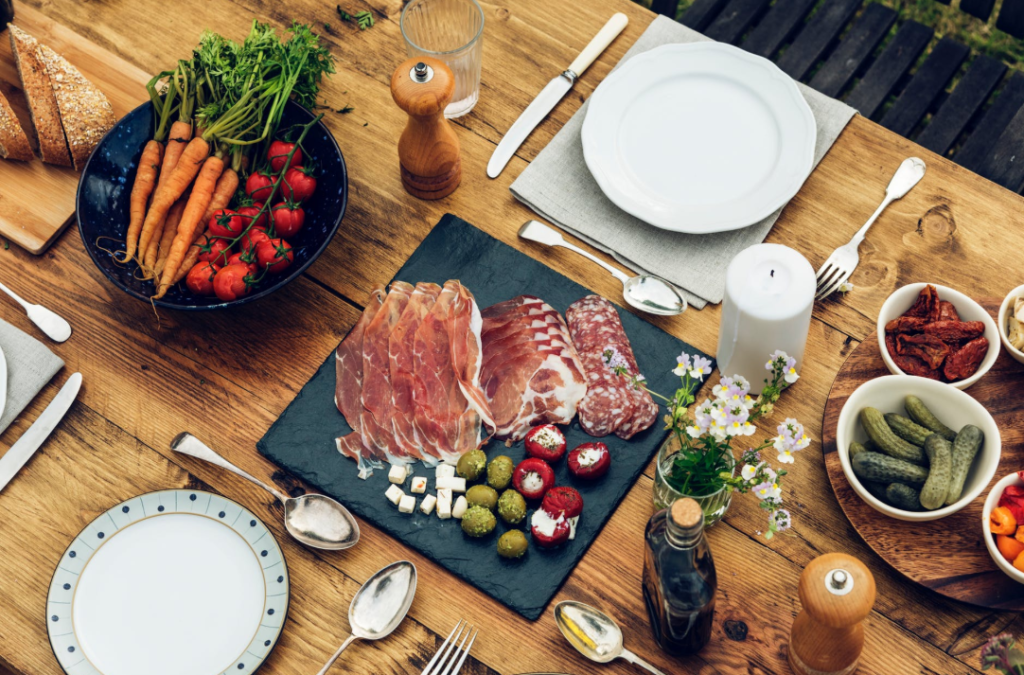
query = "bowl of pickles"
{"x": 1011, "y": 323}
{"x": 916, "y": 449}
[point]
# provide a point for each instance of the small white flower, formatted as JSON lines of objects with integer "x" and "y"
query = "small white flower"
{"x": 845, "y": 287}
{"x": 786, "y": 456}
{"x": 748, "y": 472}
{"x": 791, "y": 375}
{"x": 679, "y": 371}
{"x": 694, "y": 431}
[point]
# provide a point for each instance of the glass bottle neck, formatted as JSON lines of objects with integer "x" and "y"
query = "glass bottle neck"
{"x": 682, "y": 537}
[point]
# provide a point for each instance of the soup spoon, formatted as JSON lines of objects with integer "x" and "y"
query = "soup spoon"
{"x": 645, "y": 292}
{"x": 314, "y": 520}
{"x": 594, "y": 634}
{"x": 379, "y": 606}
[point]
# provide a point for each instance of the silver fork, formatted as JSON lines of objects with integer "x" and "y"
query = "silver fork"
{"x": 840, "y": 265}
{"x": 450, "y": 654}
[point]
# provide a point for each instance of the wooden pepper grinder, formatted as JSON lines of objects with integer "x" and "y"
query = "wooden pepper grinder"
{"x": 428, "y": 149}
{"x": 837, "y": 592}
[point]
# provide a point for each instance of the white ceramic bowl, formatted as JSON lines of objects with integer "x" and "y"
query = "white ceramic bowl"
{"x": 902, "y": 299}
{"x": 950, "y": 405}
{"x": 990, "y": 540}
{"x": 1004, "y": 313}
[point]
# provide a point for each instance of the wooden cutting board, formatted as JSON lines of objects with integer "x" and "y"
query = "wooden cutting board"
{"x": 37, "y": 201}
{"x": 946, "y": 555}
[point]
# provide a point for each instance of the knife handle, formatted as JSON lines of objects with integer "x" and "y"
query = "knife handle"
{"x": 604, "y": 37}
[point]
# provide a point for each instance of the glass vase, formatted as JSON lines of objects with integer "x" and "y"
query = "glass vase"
{"x": 714, "y": 505}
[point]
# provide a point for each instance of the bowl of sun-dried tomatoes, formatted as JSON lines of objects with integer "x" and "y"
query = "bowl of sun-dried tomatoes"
{"x": 932, "y": 331}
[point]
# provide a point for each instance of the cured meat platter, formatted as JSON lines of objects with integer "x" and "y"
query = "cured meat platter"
{"x": 304, "y": 438}
{"x": 946, "y": 555}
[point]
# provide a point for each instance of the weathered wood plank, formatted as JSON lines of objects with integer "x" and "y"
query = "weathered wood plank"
{"x": 701, "y": 13}
{"x": 776, "y": 28}
{"x": 885, "y": 73}
{"x": 979, "y": 8}
{"x": 1011, "y": 18}
{"x": 667, "y": 8}
{"x": 960, "y": 107}
{"x": 979, "y": 146}
{"x": 817, "y": 36}
{"x": 736, "y": 19}
{"x": 855, "y": 49}
{"x": 927, "y": 83}
{"x": 1005, "y": 164}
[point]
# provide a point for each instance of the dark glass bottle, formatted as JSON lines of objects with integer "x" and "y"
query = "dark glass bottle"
{"x": 679, "y": 578}
{"x": 6, "y": 13}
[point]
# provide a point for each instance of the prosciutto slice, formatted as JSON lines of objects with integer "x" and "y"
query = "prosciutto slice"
{"x": 349, "y": 385}
{"x": 530, "y": 371}
{"x": 403, "y": 371}
{"x": 449, "y": 410}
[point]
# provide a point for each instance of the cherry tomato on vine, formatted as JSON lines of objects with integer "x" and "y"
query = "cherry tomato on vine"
{"x": 214, "y": 250}
{"x": 259, "y": 185}
{"x": 288, "y": 219}
{"x": 225, "y": 223}
{"x": 249, "y": 214}
{"x": 232, "y": 282}
{"x": 200, "y": 278}
{"x": 277, "y": 153}
{"x": 252, "y": 238}
{"x": 244, "y": 258}
{"x": 275, "y": 255}
{"x": 298, "y": 185}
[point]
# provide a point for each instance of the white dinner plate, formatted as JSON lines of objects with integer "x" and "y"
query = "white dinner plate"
{"x": 699, "y": 137}
{"x": 178, "y": 582}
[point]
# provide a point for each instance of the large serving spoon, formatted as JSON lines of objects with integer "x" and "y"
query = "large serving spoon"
{"x": 315, "y": 520}
{"x": 646, "y": 292}
{"x": 594, "y": 634}
{"x": 379, "y": 606}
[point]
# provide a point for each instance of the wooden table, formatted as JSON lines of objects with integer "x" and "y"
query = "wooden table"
{"x": 226, "y": 376}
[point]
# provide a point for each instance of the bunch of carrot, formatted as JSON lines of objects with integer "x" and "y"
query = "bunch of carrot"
{"x": 228, "y": 101}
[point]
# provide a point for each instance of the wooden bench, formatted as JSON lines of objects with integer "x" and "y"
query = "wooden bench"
{"x": 861, "y": 53}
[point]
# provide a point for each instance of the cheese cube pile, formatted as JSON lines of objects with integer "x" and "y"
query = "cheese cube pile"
{"x": 446, "y": 483}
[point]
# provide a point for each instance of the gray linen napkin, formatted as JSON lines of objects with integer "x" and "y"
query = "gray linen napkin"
{"x": 558, "y": 186}
{"x": 30, "y": 365}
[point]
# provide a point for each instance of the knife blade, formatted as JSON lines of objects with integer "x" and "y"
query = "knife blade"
{"x": 25, "y": 447}
{"x": 551, "y": 94}
{"x": 3, "y": 383}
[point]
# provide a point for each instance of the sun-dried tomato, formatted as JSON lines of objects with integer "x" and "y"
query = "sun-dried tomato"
{"x": 964, "y": 362}
{"x": 954, "y": 331}
{"x": 926, "y": 305}
{"x": 927, "y": 347}
{"x": 947, "y": 311}
{"x": 1013, "y": 499}
{"x": 906, "y": 324}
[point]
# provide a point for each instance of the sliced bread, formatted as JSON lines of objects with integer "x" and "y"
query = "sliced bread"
{"x": 84, "y": 111}
{"x": 13, "y": 141}
{"x": 42, "y": 103}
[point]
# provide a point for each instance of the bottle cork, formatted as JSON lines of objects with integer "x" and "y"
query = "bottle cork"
{"x": 428, "y": 150}
{"x": 837, "y": 592}
{"x": 686, "y": 513}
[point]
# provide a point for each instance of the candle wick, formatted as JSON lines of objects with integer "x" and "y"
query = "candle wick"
{"x": 773, "y": 274}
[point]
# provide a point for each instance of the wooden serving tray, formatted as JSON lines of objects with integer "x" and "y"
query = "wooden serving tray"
{"x": 37, "y": 201}
{"x": 946, "y": 555}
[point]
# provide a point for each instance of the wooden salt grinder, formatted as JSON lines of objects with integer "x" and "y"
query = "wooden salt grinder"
{"x": 837, "y": 592}
{"x": 428, "y": 149}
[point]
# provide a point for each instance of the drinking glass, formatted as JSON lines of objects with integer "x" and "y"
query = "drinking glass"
{"x": 451, "y": 31}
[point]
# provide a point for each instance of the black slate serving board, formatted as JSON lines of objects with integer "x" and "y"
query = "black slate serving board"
{"x": 302, "y": 439}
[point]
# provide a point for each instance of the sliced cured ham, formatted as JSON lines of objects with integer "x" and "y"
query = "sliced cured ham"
{"x": 611, "y": 404}
{"x": 349, "y": 386}
{"x": 449, "y": 418}
{"x": 530, "y": 371}
{"x": 403, "y": 370}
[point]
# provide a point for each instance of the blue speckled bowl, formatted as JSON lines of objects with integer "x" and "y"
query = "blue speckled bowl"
{"x": 105, "y": 188}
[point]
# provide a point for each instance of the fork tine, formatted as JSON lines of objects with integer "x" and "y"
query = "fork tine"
{"x": 441, "y": 650}
{"x": 465, "y": 654}
{"x": 827, "y": 266}
{"x": 824, "y": 279}
{"x": 833, "y": 286}
{"x": 455, "y": 654}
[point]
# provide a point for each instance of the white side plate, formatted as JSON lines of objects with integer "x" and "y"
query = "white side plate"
{"x": 172, "y": 582}
{"x": 699, "y": 137}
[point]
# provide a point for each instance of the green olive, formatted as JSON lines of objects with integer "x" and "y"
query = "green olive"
{"x": 512, "y": 544}
{"x": 512, "y": 507}
{"x": 482, "y": 495}
{"x": 472, "y": 464}
{"x": 499, "y": 472}
{"x": 478, "y": 521}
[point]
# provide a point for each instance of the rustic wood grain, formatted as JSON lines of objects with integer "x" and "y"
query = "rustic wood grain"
{"x": 947, "y": 555}
{"x": 225, "y": 376}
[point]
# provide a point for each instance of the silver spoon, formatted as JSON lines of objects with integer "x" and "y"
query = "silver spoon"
{"x": 314, "y": 520}
{"x": 646, "y": 292}
{"x": 379, "y": 606}
{"x": 56, "y": 328}
{"x": 594, "y": 634}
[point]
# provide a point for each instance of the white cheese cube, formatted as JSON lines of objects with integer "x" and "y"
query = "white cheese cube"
{"x": 444, "y": 471}
{"x": 572, "y": 527}
{"x": 394, "y": 494}
{"x": 398, "y": 474}
{"x": 460, "y": 507}
{"x": 453, "y": 483}
{"x": 429, "y": 502}
{"x": 407, "y": 504}
{"x": 444, "y": 504}
{"x": 419, "y": 485}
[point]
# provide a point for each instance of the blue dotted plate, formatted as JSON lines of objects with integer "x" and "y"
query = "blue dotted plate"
{"x": 169, "y": 582}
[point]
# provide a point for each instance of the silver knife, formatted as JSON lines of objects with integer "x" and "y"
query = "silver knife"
{"x": 551, "y": 94}
{"x": 40, "y": 430}
{"x": 3, "y": 383}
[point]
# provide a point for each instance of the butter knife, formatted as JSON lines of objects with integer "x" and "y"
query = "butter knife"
{"x": 40, "y": 430}
{"x": 551, "y": 94}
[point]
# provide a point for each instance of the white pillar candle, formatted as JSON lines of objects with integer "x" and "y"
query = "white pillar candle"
{"x": 769, "y": 295}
